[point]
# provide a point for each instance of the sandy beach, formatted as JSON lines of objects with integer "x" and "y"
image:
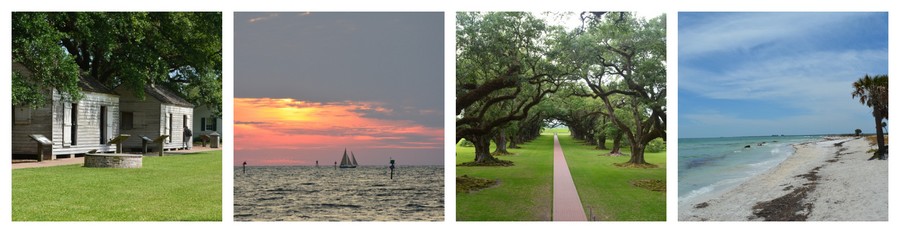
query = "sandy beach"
{"x": 821, "y": 181}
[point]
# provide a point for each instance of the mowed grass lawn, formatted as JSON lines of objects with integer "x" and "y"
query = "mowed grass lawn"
{"x": 171, "y": 188}
{"x": 605, "y": 189}
{"x": 525, "y": 192}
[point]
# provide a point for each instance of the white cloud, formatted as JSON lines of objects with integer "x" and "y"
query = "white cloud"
{"x": 813, "y": 75}
{"x": 736, "y": 32}
{"x": 263, "y": 18}
{"x": 768, "y": 61}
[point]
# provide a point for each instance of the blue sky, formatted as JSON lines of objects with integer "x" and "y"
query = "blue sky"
{"x": 744, "y": 74}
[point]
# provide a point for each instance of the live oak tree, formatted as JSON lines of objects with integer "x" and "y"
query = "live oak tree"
{"x": 181, "y": 50}
{"x": 622, "y": 55}
{"x": 515, "y": 75}
{"x": 501, "y": 74}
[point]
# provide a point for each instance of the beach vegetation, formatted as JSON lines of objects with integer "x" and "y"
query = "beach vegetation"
{"x": 872, "y": 91}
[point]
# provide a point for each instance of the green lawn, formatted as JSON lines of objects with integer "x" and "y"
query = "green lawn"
{"x": 604, "y": 188}
{"x": 170, "y": 188}
{"x": 525, "y": 192}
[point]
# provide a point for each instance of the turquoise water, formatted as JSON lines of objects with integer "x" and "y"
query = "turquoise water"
{"x": 708, "y": 166}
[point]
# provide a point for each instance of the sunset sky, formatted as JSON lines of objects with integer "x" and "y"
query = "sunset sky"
{"x": 309, "y": 85}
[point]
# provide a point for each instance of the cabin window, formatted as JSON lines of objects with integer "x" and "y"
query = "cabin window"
{"x": 127, "y": 121}
{"x": 22, "y": 115}
{"x": 211, "y": 124}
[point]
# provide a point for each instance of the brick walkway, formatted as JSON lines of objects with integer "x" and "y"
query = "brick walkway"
{"x": 80, "y": 160}
{"x": 566, "y": 203}
{"x": 48, "y": 163}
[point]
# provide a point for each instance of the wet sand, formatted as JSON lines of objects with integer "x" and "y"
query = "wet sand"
{"x": 819, "y": 182}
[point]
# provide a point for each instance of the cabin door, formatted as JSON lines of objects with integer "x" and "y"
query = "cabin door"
{"x": 111, "y": 124}
{"x": 70, "y": 123}
{"x": 169, "y": 127}
{"x": 104, "y": 122}
{"x": 184, "y": 121}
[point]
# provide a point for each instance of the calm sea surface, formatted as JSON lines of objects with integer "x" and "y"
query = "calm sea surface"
{"x": 326, "y": 194}
{"x": 709, "y": 166}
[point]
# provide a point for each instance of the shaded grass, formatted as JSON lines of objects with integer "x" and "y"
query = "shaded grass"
{"x": 525, "y": 191}
{"x": 465, "y": 184}
{"x": 606, "y": 190}
{"x": 172, "y": 188}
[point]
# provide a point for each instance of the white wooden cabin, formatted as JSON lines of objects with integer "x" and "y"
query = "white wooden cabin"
{"x": 74, "y": 127}
{"x": 161, "y": 112}
{"x": 205, "y": 122}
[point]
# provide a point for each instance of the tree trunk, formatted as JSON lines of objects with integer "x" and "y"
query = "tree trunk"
{"x": 879, "y": 137}
{"x": 637, "y": 154}
{"x": 483, "y": 149}
{"x": 500, "y": 140}
{"x": 601, "y": 142}
{"x": 513, "y": 142}
{"x": 589, "y": 140}
{"x": 617, "y": 143}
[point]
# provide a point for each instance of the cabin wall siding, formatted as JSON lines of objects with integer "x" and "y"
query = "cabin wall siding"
{"x": 198, "y": 128}
{"x": 49, "y": 120}
{"x": 146, "y": 118}
{"x": 39, "y": 123}
{"x": 88, "y": 119}
{"x": 178, "y": 123}
{"x": 150, "y": 120}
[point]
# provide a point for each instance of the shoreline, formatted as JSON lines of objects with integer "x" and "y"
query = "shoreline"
{"x": 823, "y": 180}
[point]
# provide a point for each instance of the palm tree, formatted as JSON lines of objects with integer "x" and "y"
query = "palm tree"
{"x": 873, "y": 92}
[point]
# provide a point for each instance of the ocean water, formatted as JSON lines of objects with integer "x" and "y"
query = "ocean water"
{"x": 324, "y": 194}
{"x": 710, "y": 166}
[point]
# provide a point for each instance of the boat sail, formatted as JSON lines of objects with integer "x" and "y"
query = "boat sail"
{"x": 346, "y": 162}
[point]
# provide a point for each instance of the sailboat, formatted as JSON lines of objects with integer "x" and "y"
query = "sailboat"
{"x": 346, "y": 162}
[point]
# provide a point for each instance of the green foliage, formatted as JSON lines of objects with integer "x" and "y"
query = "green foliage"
{"x": 171, "y": 188}
{"x": 873, "y": 92}
{"x": 181, "y": 50}
{"x": 44, "y": 64}
{"x": 465, "y": 143}
{"x": 656, "y": 145}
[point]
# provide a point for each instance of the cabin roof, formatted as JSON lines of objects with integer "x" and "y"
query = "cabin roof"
{"x": 166, "y": 96}
{"x": 92, "y": 85}
{"x": 85, "y": 83}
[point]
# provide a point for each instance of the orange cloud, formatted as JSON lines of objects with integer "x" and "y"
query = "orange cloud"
{"x": 265, "y": 123}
